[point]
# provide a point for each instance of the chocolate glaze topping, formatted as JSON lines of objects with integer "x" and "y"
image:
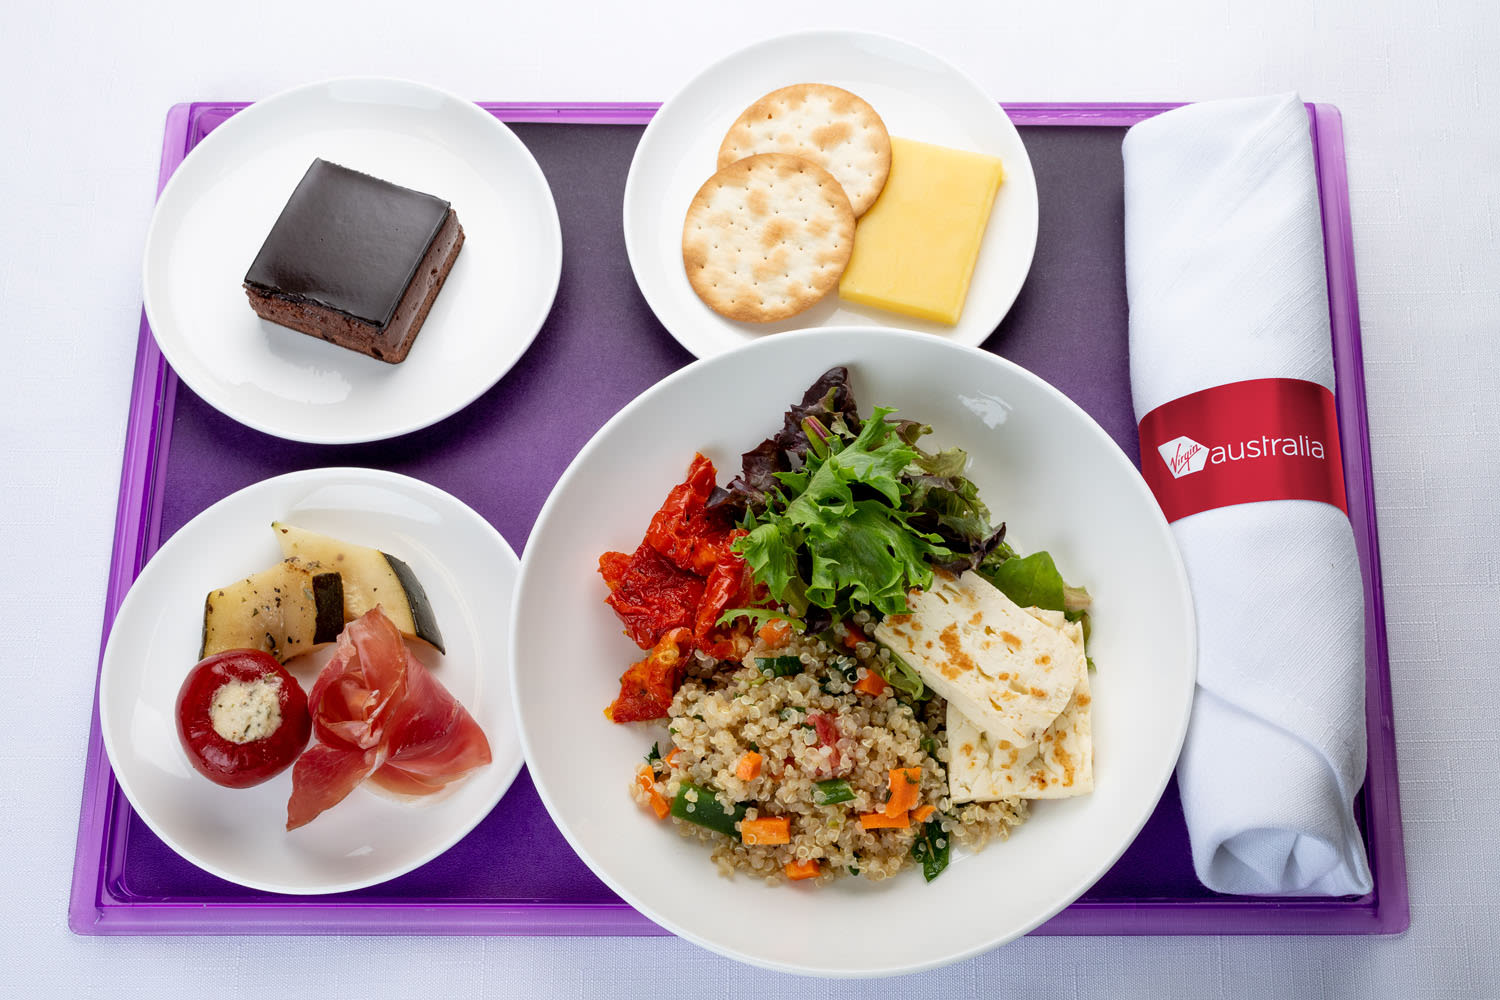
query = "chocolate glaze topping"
{"x": 347, "y": 241}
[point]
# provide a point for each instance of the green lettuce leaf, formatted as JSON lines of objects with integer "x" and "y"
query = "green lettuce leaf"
{"x": 759, "y": 617}
{"x": 844, "y": 514}
{"x": 876, "y": 458}
{"x": 770, "y": 550}
{"x": 871, "y": 558}
{"x": 836, "y": 533}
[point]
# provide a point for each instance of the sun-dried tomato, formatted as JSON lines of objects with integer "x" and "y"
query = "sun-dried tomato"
{"x": 649, "y": 593}
{"x": 730, "y": 585}
{"x": 671, "y": 592}
{"x": 683, "y": 529}
{"x": 647, "y": 687}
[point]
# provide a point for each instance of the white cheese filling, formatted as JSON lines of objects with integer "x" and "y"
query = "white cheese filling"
{"x": 245, "y": 711}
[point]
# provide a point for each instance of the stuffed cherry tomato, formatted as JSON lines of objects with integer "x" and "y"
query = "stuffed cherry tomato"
{"x": 242, "y": 718}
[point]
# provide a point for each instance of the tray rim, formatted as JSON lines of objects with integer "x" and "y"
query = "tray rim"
{"x": 95, "y": 908}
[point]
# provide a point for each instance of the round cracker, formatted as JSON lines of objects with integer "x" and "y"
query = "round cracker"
{"x": 766, "y": 237}
{"x": 833, "y": 128}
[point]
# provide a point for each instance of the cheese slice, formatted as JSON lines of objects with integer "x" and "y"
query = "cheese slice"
{"x": 1007, "y": 671}
{"x": 1059, "y": 765}
{"x": 914, "y": 250}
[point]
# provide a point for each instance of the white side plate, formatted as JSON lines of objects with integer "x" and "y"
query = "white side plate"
{"x": 469, "y": 574}
{"x": 918, "y": 95}
{"x": 215, "y": 213}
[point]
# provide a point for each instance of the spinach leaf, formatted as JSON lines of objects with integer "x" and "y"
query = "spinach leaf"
{"x": 1031, "y": 581}
{"x": 903, "y": 677}
{"x": 779, "y": 666}
{"x": 932, "y": 849}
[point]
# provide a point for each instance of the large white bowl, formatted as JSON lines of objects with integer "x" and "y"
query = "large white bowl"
{"x": 1043, "y": 466}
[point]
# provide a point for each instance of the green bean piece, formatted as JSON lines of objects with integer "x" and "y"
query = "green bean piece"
{"x": 832, "y": 792}
{"x": 708, "y": 811}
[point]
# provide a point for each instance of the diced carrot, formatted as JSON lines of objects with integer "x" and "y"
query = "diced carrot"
{"x": 768, "y": 830}
{"x": 658, "y": 802}
{"x": 775, "y": 633}
{"x": 749, "y": 766}
{"x": 672, "y": 756}
{"x": 799, "y": 870}
{"x": 880, "y": 821}
{"x": 921, "y": 813}
{"x": 906, "y": 783}
{"x": 871, "y": 684}
{"x": 853, "y": 635}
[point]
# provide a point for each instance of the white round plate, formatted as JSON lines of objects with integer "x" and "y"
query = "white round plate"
{"x": 469, "y": 574}
{"x": 1042, "y": 465}
{"x": 918, "y": 95}
{"x": 214, "y": 215}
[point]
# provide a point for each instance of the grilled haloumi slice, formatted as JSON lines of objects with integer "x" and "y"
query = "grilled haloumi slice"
{"x": 1007, "y": 671}
{"x": 1059, "y": 765}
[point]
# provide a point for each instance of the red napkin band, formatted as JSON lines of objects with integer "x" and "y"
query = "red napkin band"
{"x": 1265, "y": 439}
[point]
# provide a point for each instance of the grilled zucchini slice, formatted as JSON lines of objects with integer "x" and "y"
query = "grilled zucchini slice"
{"x": 286, "y": 610}
{"x": 370, "y": 576}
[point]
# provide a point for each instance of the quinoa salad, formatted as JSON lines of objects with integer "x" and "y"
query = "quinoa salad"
{"x": 790, "y": 737}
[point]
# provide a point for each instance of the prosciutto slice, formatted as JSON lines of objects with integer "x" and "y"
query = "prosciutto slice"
{"x": 378, "y": 713}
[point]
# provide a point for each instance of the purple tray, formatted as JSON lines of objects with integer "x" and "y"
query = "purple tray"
{"x": 514, "y": 874}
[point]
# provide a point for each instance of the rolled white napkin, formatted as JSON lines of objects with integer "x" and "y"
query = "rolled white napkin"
{"x": 1226, "y": 282}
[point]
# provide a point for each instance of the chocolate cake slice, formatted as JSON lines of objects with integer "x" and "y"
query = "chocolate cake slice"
{"x": 355, "y": 260}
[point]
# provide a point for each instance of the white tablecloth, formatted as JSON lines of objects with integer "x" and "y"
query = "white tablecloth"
{"x": 85, "y": 91}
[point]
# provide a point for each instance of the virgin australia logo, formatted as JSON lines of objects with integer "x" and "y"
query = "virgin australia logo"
{"x": 1183, "y": 455}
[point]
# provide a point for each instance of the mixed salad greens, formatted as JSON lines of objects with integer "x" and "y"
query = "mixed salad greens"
{"x": 846, "y": 514}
